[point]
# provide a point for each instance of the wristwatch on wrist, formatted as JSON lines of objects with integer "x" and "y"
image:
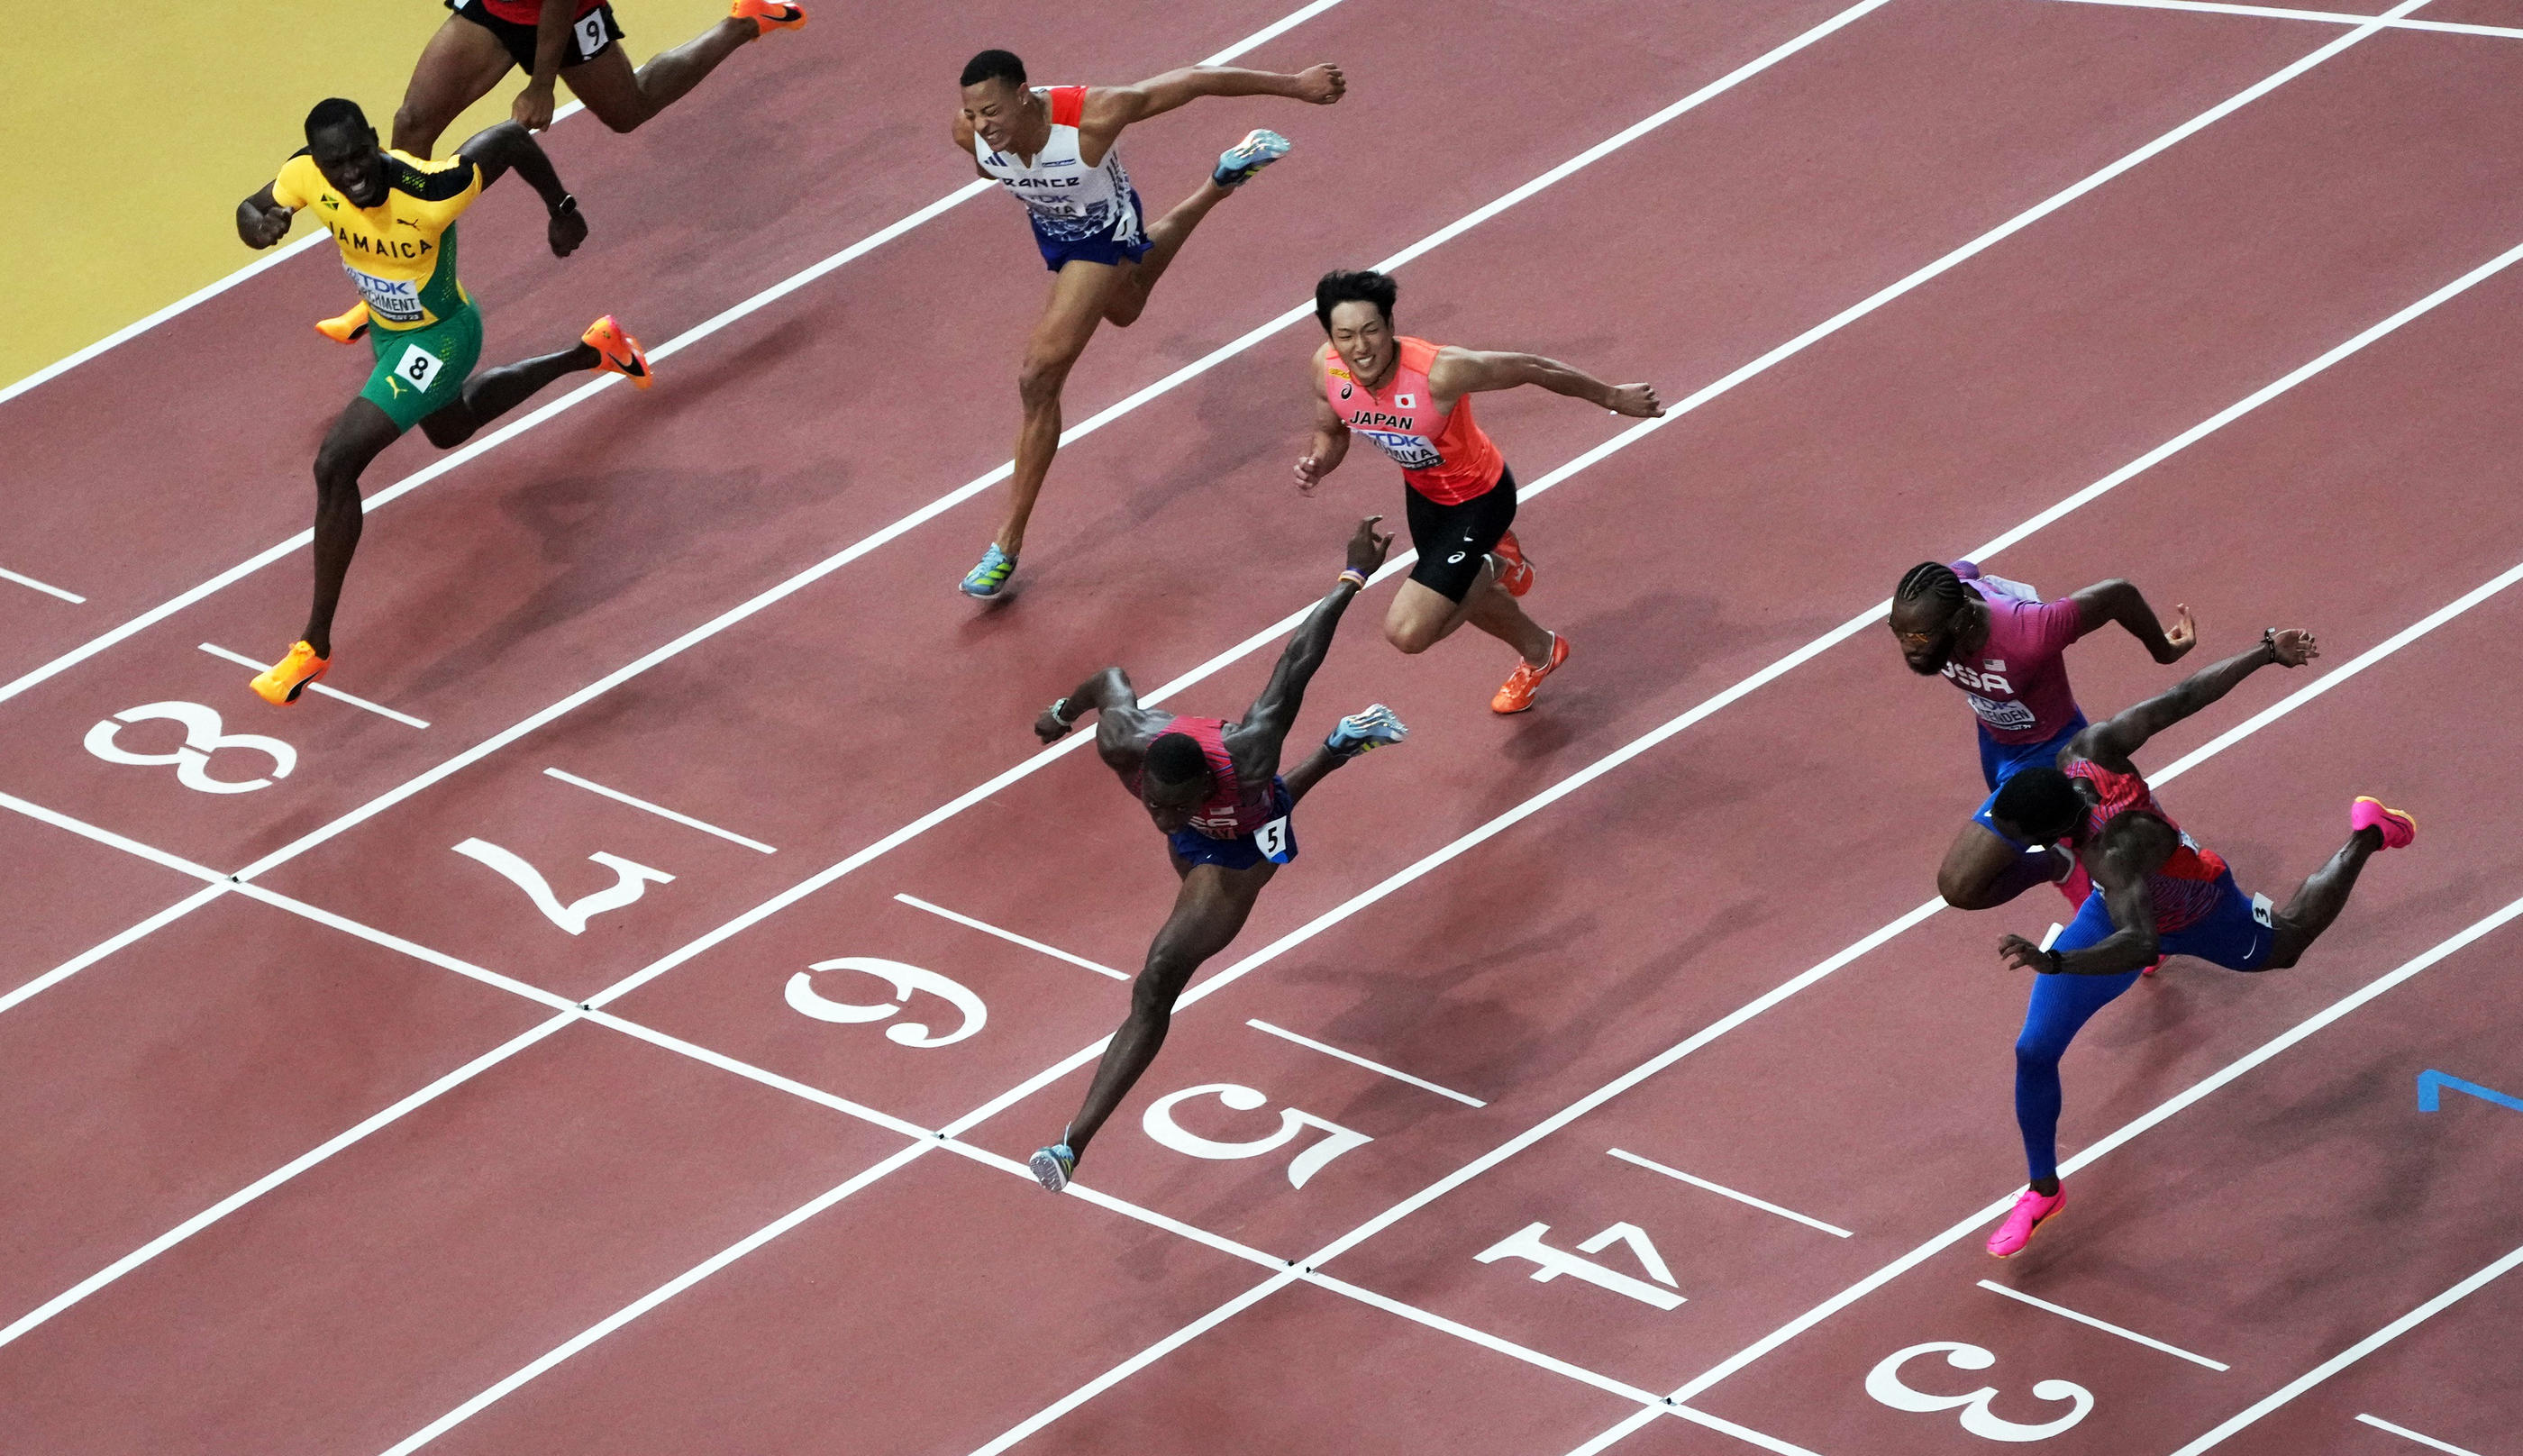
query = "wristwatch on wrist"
{"x": 2055, "y": 965}
{"x": 1056, "y": 716}
{"x": 568, "y": 204}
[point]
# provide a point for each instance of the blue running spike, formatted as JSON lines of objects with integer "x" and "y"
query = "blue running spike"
{"x": 1259, "y": 149}
{"x": 1366, "y": 731}
{"x": 986, "y": 579}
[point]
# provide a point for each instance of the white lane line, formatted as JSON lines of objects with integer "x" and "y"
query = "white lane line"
{"x": 686, "y": 819}
{"x": 1353, "y": 1059}
{"x": 2333, "y": 16}
{"x": 575, "y": 397}
{"x": 271, "y": 1180}
{"x": 2064, "y": 507}
{"x": 1740, "y": 1433}
{"x": 1781, "y": 993}
{"x": 2447, "y": 1447}
{"x": 1027, "y": 767}
{"x": 382, "y": 711}
{"x": 130, "y": 934}
{"x": 1762, "y": 1204}
{"x": 1981, "y": 1218}
{"x": 2064, "y": 1312}
{"x": 865, "y": 545}
{"x": 655, "y": 1298}
{"x": 1011, "y": 937}
{"x": 200, "y": 295}
{"x": 2356, "y": 1352}
{"x": 46, "y": 587}
{"x": 1486, "y": 1341}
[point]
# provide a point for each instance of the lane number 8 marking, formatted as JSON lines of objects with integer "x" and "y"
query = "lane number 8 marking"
{"x": 203, "y": 737}
{"x": 1885, "y": 1383}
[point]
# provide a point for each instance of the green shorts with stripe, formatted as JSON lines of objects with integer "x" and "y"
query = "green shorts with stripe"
{"x": 421, "y": 371}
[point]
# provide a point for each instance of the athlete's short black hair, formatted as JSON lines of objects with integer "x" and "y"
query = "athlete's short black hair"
{"x": 1176, "y": 759}
{"x": 1359, "y": 286}
{"x": 333, "y": 114}
{"x": 1935, "y": 581}
{"x": 2041, "y": 801}
{"x": 993, "y": 65}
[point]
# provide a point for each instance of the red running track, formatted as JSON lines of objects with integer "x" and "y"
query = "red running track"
{"x": 333, "y": 1157}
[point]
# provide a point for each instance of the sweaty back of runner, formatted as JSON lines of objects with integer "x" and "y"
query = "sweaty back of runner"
{"x": 1233, "y": 807}
{"x": 2184, "y": 887}
{"x": 1444, "y": 456}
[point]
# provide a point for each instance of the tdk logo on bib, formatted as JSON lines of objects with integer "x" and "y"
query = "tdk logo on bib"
{"x": 395, "y": 299}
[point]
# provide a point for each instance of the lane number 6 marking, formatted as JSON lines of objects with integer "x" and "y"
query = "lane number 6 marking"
{"x": 804, "y": 999}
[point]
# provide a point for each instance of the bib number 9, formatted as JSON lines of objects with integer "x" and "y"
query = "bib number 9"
{"x": 592, "y": 34}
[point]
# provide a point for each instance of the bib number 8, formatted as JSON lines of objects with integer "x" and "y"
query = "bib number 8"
{"x": 420, "y": 367}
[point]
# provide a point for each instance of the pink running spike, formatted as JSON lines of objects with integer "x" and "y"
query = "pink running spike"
{"x": 2400, "y": 829}
{"x": 2030, "y": 1212}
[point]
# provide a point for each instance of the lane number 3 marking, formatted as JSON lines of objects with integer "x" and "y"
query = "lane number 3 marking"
{"x": 1885, "y": 1383}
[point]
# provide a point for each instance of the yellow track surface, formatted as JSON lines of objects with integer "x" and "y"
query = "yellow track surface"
{"x": 127, "y": 137}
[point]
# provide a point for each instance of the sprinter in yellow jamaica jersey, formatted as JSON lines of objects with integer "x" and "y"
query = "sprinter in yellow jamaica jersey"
{"x": 394, "y": 217}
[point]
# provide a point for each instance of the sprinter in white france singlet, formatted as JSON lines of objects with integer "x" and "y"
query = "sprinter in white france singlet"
{"x": 1066, "y": 199}
{"x": 1056, "y": 148}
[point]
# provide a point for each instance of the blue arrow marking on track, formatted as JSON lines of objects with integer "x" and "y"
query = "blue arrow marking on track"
{"x": 2431, "y": 1084}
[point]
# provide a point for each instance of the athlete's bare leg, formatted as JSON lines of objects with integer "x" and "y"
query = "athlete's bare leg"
{"x": 2321, "y": 900}
{"x": 1982, "y": 871}
{"x": 458, "y": 67}
{"x": 1208, "y": 910}
{"x": 1080, "y": 293}
{"x": 493, "y": 392}
{"x": 1422, "y": 617}
{"x": 1165, "y": 238}
{"x": 363, "y": 432}
{"x": 359, "y": 436}
{"x": 622, "y": 98}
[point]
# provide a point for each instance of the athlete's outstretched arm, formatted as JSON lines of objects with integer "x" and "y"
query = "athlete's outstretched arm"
{"x": 1120, "y": 724}
{"x": 508, "y": 146}
{"x": 1266, "y": 722}
{"x": 261, "y": 221}
{"x": 2111, "y": 742}
{"x": 1471, "y": 371}
{"x": 1109, "y": 108}
{"x": 532, "y": 107}
{"x": 2137, "y": 852}
{"x": 2116, "y": 600}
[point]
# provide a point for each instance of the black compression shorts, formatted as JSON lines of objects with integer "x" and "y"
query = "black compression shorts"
{"x": 589, "y": 34}
{"x": 1452, "y": 539}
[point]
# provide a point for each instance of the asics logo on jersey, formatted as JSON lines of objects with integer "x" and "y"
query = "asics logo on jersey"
{"x": 1458, "y": 556}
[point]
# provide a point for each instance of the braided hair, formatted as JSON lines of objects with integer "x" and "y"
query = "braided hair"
{"x": 1935, "y": 582}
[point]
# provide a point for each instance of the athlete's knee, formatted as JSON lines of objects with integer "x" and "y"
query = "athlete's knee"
{"x": 1158, "y": 985}
{"x": 337, "y": 473}
{"x": 414, "y": 130}
{"x": 2037, "y": 1055}
{"x": 1412, "y": 636}
{"x": 1961, "y": 891}
{"x": 1040, "y": 381}
{"x": 1124, "y": 309}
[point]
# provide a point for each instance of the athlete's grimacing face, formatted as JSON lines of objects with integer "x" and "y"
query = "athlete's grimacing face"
{"x": 1363, "y": 339}
{"x": 996, "y": 111}
{"x": 351, "y": 159}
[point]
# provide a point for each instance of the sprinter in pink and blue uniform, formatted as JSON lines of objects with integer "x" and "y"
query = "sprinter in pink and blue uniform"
{"x": 1215, "y": 791}
{"x": 2157, "y": 892}
{"x": 1055, "y": 148}
{"x": 2004, "y": 646}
